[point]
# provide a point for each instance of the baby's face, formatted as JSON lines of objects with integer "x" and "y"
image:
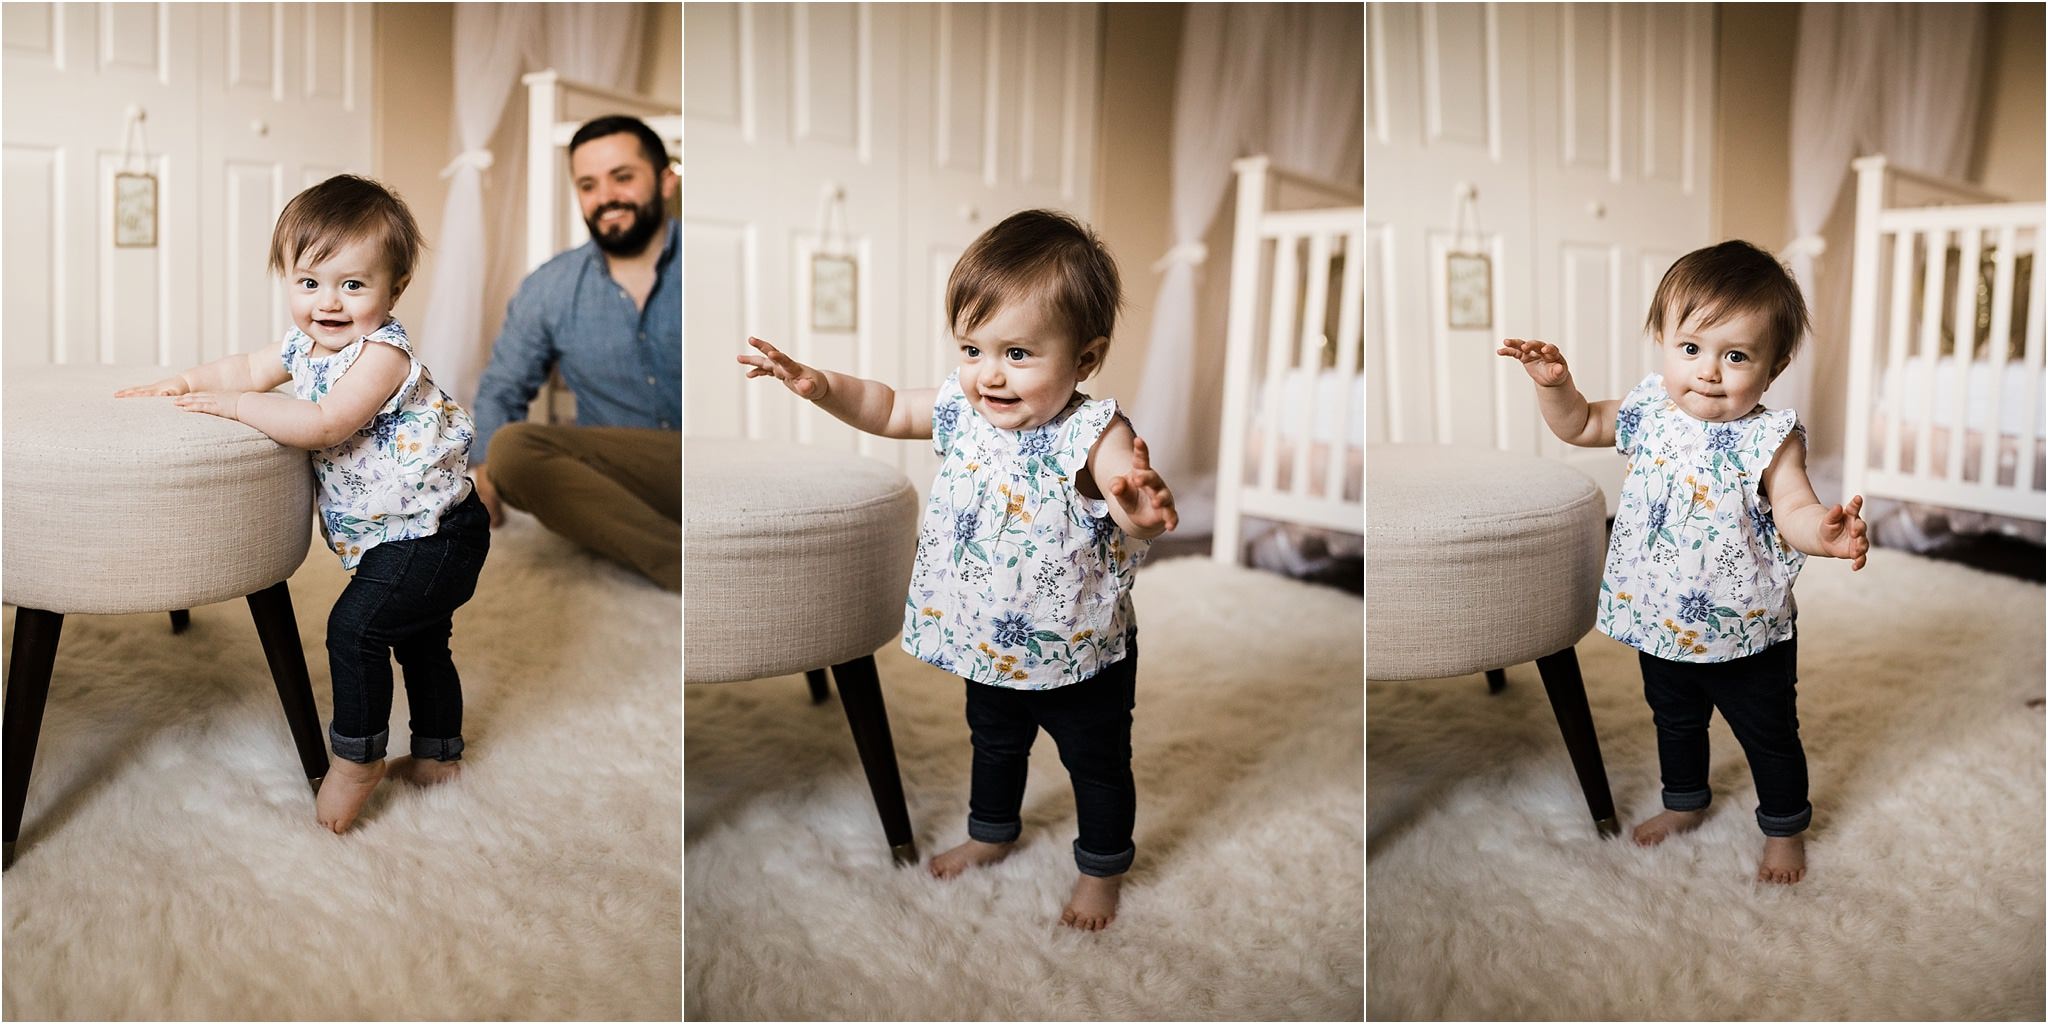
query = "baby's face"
{"x": 1018, "y": 370}
{"x": 341, "y": 298}
{"x": 1716, "y": 373}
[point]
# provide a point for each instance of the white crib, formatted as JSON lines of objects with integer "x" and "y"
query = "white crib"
{"x": 1947, "y": 395}
{"x": 1293, "y": 442}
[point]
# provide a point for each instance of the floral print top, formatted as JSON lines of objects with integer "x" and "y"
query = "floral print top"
{"x": 1696, "y": 568}
{"x": 394, "y": 478}
{"x": 1021, "y": 581}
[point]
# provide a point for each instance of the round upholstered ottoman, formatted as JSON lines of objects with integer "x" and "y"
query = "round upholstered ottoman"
{"x": 122, "y": 505}
{"x": 798, "y": 558}
{"x": 1477, "y": 559}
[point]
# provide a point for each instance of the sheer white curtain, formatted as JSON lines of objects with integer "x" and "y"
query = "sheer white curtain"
{"x": 597, "y": 44}
{"x": 1284, "y": 79}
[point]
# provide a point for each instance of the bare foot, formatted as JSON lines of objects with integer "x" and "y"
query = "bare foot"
{"x": 1093, "y": 905}
{"x": 970, "y": 854}
{"x": 1784, "y": 860}
{"x": 1667, "y": 824}
{"x": 344, "y": 791}
{"x": 424, "y": 771}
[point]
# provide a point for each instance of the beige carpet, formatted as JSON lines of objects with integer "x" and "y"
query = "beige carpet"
{"x": 1244, "y": 903}
{"x": 1489, "y": 896}
{"x": 170, "y": 866}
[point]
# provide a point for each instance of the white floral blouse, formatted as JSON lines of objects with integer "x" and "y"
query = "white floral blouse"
{"x": 1696, "y": 568}
{"x": 1021, "y": 581}
{"x": 394, "y": 478}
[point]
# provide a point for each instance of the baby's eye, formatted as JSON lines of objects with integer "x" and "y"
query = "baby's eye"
{"x": 970, "y": 351}
{"x": 1689, "y": 348}
{"x": 308, "y": 283}
{"x": 1737, "y": 357}
{"x": 352, "y": 286}
{"x": 1017, "y": 355}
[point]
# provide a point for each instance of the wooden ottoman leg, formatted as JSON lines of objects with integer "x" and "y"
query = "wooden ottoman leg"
{"x": 816, "y": 677}
{"x": 1496, "y": 680}
{"x": 1567, "y": 691}
{"x": 180, "y": 620}
{"x": 860, "y": 691}
{"x": 28, "y": 688}
{"x": 279, "y": 630}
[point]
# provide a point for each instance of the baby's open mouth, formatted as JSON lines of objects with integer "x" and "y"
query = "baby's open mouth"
{"x": 1000, "y": 403}
{"x": 333, "y": 325}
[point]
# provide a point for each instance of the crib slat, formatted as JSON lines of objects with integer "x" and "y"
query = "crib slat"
{"x": 1965, "y": 348}
{"x": 1934, "y": 286}
{"x": 2000, "y": 345}
{"x": 1308, "y": 362}
{"x": 1350, "y": 332}
{"x": 1279, "y": 338}
{"x": 2030, "y": 428}
{"x": 1895, "y": 352}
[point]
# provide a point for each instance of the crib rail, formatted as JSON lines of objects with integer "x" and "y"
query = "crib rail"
{"x": 1292, "y": 258}
{"x": 1942, "y": 469}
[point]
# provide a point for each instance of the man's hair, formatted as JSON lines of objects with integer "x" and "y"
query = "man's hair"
{"x": 613, "y": 124}
{"x": 340, "y": 211}
{"x": 1731, "y": 279}
{"x": 1042, "y": 256}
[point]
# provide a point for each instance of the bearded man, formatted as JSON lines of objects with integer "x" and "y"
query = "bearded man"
{"x": 608, "y": 315}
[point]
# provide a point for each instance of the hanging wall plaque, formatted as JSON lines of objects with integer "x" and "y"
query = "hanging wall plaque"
{"x": 135, "y": 211}
{"x": 835, "y": 293}
{"x": 1469, "y": 285}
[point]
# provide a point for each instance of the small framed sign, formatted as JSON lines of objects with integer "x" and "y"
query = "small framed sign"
{"x": 135, "y": 211}
{"x": 1469, "y": 287}
{"x": 835, "y": 293}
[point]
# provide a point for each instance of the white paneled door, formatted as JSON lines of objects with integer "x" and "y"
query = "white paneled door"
{"x": 242, "y": 106}
{"x": 1586, "y": 134}
{"x": 891, "y": 133}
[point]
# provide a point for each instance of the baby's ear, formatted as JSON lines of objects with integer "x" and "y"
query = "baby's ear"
{"x": 398, "y": 287}
{"x": 1091, "y": 359}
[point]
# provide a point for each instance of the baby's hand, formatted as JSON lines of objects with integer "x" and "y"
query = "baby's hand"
{"x": 213, "y": 403}
{"x": 1843, "y": 533}
{"x": 802, "y": 380}
{"x": 166, "y": 386}
{"x": 1543, "y": 361}
{"x": 1143, "y": 493}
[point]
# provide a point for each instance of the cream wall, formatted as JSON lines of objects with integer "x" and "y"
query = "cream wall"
{"x": 1134, "y": 174}
{"x": 2009, "y": 159}
{"x": 1754, "y": 51}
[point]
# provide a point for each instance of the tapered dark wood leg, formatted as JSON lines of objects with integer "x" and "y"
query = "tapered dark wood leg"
{"x": 816, "y": 677}
{"x": 180, "y": 620}
{"x": 28, "y": 689}
{"x": 1496, "y": 680}
{"x": 860, "y": 691}
{"x": 279, "y": 630}
{"x": 1567, "y": 691}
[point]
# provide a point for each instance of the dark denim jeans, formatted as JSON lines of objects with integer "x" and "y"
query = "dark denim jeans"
{"x": 1757, "y": 697}
{"x": 1091, "y": 722}
{"x": 400, "y": 603}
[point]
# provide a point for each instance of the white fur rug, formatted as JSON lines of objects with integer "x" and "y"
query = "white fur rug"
{"x": 170, "y": 866}
{"x": 1244, "y": 901}
{"x": 1491, "y": 898}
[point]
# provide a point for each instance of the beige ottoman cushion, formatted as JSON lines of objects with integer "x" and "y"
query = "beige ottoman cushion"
{"x": 1476, "y": 559}
{"x": 796, "y": 558}
{"x": 120, "y": 505}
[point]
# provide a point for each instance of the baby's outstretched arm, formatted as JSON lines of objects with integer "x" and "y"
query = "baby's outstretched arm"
{"x": 1573, "y": 419}
{"x": 1833, "y": 531}
{"x": 245, "y": 371}
{"x": 362, "y": 389}
{"x": 1139, "y": 499}
{"x": 869, "y": 405}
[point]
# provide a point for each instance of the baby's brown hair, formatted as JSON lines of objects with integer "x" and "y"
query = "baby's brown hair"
{"x": 341, "y": 210}
{"x": 1731, "y": 279}
{"x": 1034, "y": 254}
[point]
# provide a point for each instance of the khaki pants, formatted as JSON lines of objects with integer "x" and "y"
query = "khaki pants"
{"x": 615, "y": 490}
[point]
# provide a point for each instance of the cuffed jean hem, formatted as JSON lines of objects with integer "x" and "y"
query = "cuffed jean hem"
{"x": 986, "y": 832}
{"x": 1103, "y": 866}
{"x": 1696, "y": 800}
{"x": 360, "y": 749}
{"x": 432, "y": 748}
{"x": 1787, "y": 825}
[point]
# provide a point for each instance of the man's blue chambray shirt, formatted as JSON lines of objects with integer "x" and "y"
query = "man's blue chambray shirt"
{"x": 624, "y": 365}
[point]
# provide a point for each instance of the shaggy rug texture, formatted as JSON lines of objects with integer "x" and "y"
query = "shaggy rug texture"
{"x": 1244, "y": 901}
{"x": 170, "y": 866}
{"x": 1920, "y": 686}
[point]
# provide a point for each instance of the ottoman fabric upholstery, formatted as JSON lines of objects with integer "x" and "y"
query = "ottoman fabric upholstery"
{"x": 124, "y": 505}
{"x": 1476, "y": 559}
{"x": 799, "y": 557}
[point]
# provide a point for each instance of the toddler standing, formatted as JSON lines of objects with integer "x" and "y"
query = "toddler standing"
{"x": 389, "y": 449}
{"x": 1041, "y": 511}
{"x": 1715, "y": 521}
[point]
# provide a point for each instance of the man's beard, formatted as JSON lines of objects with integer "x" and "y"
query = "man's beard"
{"x": 631, "y": 240}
